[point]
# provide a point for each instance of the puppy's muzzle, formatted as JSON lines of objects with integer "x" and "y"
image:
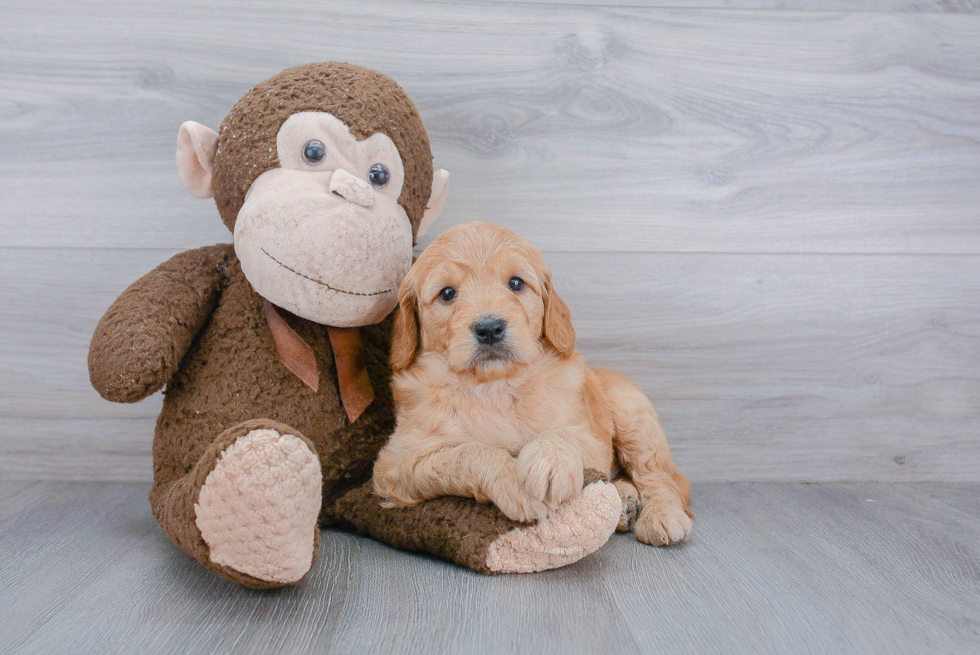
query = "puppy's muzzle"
{"x": 490, "y": 330}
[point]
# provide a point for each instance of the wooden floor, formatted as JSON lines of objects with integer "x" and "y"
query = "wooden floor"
{"x": 771, "y": 568}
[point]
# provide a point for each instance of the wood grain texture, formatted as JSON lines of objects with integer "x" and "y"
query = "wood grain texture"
{"x": 889, "y": 6}
{"x": 769, "y": 367}
{"x": 831, "y": 568}
{"x": 588, "y": 128}
{"x": 768, "y": 216}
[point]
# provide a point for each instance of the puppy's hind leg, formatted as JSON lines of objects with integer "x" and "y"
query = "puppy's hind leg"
{"x": 642, "y": 451}
{"x": 630, "y": 498}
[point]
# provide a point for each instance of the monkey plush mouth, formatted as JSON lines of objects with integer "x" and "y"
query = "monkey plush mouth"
{"x": 321, "y": 282}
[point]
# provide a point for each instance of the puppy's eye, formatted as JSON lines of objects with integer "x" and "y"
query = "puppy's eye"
{"x": 447, "y": 294}
{"x": 516, "y": 284}
{"x": 314, "y": 152}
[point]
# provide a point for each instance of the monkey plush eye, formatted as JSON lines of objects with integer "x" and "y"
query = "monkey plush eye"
{"x": 314, "y": 152}
{"x": 447, "y": 294}
{"x": 516, "y": 284}
{"x": 378, "y": 176}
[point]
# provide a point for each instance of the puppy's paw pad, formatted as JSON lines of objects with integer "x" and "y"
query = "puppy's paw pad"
{"x": 631, "y": 511}
{"x": 258, "y": 508}
{"x": 669, "y": 526}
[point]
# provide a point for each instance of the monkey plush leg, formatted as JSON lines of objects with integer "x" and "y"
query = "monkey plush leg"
{"x": 478, "y": 536}
{"x": 248, "y": 509}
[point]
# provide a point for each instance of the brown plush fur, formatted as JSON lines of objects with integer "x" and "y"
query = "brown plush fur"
{"x": 367, "y": 101}
{"x": 512, "y": 422}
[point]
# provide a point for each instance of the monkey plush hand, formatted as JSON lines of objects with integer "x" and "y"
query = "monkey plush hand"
{"x": 274, "y": 351}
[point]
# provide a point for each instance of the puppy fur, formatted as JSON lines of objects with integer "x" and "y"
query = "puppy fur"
{"x": 513, "y": 418}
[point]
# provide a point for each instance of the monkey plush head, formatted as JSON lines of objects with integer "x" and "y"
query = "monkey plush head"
{"x": 324, "y": 174}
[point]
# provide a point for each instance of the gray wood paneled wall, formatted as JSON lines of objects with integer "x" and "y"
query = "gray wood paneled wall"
{"x": 768, "y": 216}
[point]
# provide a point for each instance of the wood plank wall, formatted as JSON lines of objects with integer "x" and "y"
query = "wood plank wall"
{"x": 768, "y": 216}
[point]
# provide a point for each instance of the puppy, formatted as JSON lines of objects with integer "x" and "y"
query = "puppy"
{"x": 493, "y": 401}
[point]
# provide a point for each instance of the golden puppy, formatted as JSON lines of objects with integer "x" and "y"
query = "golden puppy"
{"x": 494, "y": 402}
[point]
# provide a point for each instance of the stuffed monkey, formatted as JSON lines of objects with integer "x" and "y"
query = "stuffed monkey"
{"x": 274, "y": 351}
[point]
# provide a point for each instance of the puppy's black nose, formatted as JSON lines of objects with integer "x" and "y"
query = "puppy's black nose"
{"x": 490, "y": 330}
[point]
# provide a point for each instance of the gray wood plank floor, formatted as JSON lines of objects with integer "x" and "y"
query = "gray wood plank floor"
{"x": 825, "y": 568}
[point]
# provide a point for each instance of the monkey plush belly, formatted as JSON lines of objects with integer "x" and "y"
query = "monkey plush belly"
{"x": 232, "y": 374}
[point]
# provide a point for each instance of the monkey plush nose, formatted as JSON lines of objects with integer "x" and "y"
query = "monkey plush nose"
{"x": 350, "y": 188}
{"x": 490, "y": 330}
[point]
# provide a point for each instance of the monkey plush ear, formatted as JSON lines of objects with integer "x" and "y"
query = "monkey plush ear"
{"x": 440, "y": 187}
{"x": 196, "y": 147}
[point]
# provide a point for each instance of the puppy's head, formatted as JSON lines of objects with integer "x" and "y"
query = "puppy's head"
{"x": 482, "y": 297}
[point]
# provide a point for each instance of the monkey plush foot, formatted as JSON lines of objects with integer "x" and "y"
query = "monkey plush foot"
{"x": 579, "y": 527}
{"x": 258, "y": 508}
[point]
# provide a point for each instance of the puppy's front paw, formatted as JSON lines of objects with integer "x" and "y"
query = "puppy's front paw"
{"x": 551, "y": 470}
{"x": 516, "y": 504}
{"x": 663, "y": 525}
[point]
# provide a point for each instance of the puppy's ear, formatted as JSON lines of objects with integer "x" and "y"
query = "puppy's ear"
{"x": 405, "y": 340}
{"x": 557, "y": 330}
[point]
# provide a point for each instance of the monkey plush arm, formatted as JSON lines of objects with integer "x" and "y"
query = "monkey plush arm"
{"x": 140, "y": 342}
